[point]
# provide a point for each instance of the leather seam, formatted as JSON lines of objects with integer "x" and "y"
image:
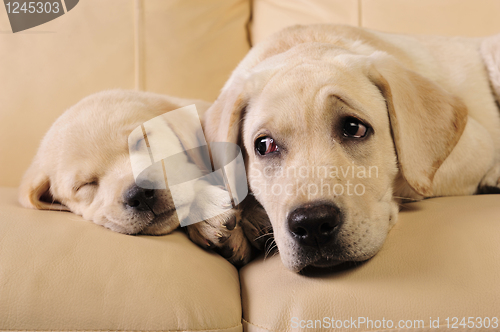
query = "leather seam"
{"x": 221, "y": 329}
{"x": 261, "y": 327}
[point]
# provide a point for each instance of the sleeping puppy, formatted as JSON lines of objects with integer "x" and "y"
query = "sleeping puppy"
{"x": 339, "y": 123}
{"x": 83, "y": 165}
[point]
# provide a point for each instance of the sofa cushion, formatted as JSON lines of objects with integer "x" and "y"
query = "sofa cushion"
{"x": 190, "y": 47}
{"x": 269, "y": 16}
{"x": 441, "y": 260}
{"x": 444, "y": 17}
{"x": 60, "y": 272}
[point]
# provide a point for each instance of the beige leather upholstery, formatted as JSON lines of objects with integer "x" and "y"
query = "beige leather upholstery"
{"x": 60, "y": 272}
{"x": 270, "y": 16}
{"x": 443, "y": 17}
{"x": 441, "y": 259}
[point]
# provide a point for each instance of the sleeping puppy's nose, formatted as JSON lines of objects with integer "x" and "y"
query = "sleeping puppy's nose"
{"x": 314, "y": 225}
{"x": 139, "y": 198}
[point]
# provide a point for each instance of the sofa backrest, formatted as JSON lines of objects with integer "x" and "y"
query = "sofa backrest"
{"x": 434, "y": 17}
{"x": 183, "y": 48}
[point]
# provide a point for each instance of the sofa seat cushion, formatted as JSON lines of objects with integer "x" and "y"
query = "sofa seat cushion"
{"x": 60, "y": 272}
{"x": 441, "y": 260}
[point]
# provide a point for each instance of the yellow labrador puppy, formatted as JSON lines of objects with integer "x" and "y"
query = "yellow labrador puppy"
{"x": 338, "y": 123}
{"x": 83, "y": 166}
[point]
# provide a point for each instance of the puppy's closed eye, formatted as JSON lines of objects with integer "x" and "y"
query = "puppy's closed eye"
{"x": 89, "y": 184}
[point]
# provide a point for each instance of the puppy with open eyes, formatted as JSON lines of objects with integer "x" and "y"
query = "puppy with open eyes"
{"x": 421, "y": 111}
{"x": 83, "y": 166}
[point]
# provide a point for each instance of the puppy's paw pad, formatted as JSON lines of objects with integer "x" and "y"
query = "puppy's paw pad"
{"x": 224, "y": 235}
{"x": 230, "y": 223}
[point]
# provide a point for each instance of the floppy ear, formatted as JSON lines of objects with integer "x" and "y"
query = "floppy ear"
{"x": 426, "y": 120}
{"x": 222, "y": 120}
{"x": 34, "y": 191}
{"x": 189, "y": 132}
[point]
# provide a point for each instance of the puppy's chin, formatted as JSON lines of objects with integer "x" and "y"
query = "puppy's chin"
{"x": 162, "y": 224}
{"x": 316, "y": 263}
{"x": 326, "y": 262}
{"x": 147, "y": 223}
{"x": 323, "y": 260}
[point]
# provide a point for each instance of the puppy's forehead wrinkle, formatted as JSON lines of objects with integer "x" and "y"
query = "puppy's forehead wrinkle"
{"x": 312, "y": 86}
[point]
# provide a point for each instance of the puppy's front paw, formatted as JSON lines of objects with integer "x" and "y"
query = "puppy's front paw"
{"x": 490, "y": 184}
{"x": 222, "y": 233}
{"x": 256, "y": 224}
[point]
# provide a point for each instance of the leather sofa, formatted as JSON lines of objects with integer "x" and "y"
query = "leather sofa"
{"x": 438, "y": 270}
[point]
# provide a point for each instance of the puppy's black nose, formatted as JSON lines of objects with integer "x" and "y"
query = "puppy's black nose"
{"x": 314, "y": 225}
{"x": 139, "y": 198}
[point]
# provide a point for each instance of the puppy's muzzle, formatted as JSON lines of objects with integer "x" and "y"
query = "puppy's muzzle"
{"x": 140, "y": 199}
{"x": 314, "y": 225}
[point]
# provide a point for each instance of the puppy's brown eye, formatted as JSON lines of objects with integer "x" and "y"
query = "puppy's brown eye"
{"x": 265, "y": 145}
{"x": 354, "y": 128}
